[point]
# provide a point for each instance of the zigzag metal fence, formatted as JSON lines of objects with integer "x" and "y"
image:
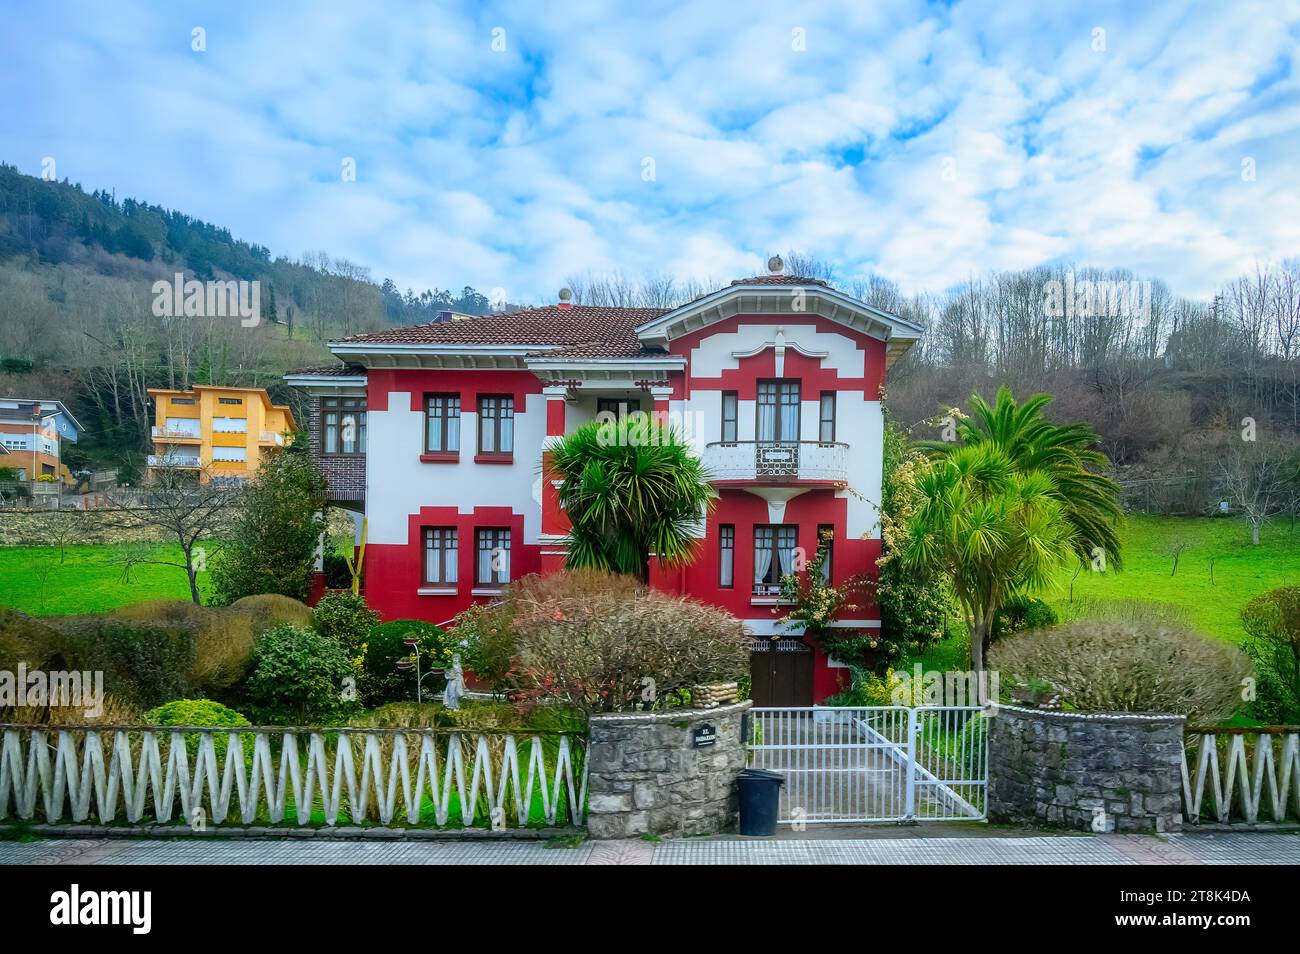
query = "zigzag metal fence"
{"x": 135, "y": 774}
{"x": 1225, "y": 779}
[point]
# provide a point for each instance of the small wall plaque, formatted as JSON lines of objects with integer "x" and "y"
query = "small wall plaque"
{"x": 704, "y": 735}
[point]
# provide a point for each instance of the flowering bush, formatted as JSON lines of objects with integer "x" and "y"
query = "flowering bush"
{"x": 346, "y": 619}
{"x": 378, "y": 676}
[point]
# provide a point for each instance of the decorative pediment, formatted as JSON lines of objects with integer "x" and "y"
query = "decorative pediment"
{"x": 795, "y": 301}
{"x": 779, "y": 343}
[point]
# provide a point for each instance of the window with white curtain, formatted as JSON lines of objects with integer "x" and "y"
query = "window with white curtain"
{"x": 183, "y": 425}
{"x": 492, "y": 563}
{"x": 778, "y": 411}
{"x": 230, "y": 425}
{"x": 726, "y": 554}
{"x": 774, "y": 556}
{"x": 440, "y": 555}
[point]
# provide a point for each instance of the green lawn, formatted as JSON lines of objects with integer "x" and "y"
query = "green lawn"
{"x": 89, "y": 579}
{"x": 1213, "y": 605}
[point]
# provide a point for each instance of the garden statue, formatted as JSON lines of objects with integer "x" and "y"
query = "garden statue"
{"x": 451, "y": 696}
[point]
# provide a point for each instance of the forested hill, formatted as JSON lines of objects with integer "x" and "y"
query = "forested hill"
{"x": 76, "y": 276}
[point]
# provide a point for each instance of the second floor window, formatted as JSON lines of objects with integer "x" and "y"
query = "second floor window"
{"x": 496, "y": 424}
{"x": 778, "y": 411}
{"x": 826, "y": 421}
{"x": 730, "y": 402}
{"x": 442, "y": 423}
{"x": 440, "y": 555}
{"x": 492, "y": 563}
{"x": 343, "y": 425}
{"x": 774, "y": 554}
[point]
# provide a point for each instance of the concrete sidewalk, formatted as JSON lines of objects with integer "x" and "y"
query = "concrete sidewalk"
{"x": 1003, "y": 848}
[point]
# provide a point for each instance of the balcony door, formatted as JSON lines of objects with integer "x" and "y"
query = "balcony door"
{"x": 778, "y": 412}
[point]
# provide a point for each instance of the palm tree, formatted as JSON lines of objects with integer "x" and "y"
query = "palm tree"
{"x": 992, "y": 528}
{"x": 631, "y": 489}
{"x": 1065, "y": 453}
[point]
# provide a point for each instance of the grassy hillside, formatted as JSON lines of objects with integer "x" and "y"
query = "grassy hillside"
{"x": 1218, "y": 571}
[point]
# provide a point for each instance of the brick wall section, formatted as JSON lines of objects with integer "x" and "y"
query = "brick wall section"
{"x": 346, "y": 475}
{"x": 1089, "y": 772}
{"x": 645, "y": 776}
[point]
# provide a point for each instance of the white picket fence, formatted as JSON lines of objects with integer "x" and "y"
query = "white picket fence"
{"x": 125, "y": 773}
{"x": 1227, "y": 778}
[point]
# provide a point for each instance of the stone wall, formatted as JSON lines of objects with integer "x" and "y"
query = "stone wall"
{"x": 1095, "y": 772}
{"x": 647, "y": 776}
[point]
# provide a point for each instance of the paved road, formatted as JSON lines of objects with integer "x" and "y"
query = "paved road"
{"x": 986, "y": 849}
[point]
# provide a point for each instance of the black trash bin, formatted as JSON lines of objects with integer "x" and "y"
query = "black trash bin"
{"x": 760, "y": 800}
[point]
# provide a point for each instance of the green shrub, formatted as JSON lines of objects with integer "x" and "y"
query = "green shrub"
{"x": 223, "y": 651}
{"x": 1272, "y": 624}
{"x": 1021, "y": 613}
{"x": 1108, "y": 666}
{"x": 384, "y": 648}
{"x": 346, "y": 619}
{"x": 202, "y": 712}
{"x": 300, "y": 677}
{"x": 144, "y": 663}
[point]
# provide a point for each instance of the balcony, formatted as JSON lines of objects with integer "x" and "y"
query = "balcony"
{"x": 168, "y": 435}
{"x": 173, "y": 460}
{"x": 778, "y": 463}
{"x": 271, "y": 437}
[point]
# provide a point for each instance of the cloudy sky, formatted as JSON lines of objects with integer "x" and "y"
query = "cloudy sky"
{"x": 511, "y": 146}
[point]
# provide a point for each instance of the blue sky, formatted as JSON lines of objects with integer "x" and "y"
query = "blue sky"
{"x": 923, "y": 142}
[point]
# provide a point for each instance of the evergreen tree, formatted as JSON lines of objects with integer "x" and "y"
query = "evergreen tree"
{"x": 272, "y": 548}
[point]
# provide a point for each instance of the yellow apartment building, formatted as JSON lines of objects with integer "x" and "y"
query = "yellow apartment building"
{"x": 219, "y": 432}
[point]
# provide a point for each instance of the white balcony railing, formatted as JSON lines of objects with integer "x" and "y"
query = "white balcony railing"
{"x": 173, "y": 460}
{"x": 778, "y": 461}
{"x": 172, "y": 434}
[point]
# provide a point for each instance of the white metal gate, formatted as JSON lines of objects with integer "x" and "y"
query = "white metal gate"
{"x": 883, "y": 763}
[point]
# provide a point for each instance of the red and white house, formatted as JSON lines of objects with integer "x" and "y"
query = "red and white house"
{"x": 438, "y": 433}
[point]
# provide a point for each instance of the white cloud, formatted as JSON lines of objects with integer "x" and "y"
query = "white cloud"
{"x": 519, "y": 168}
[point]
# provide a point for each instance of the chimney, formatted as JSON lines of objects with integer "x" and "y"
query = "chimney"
{"x": 566, "y": 299}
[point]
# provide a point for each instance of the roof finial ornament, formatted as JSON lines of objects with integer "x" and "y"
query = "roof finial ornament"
{"x": 566, "y": 298}
{"x": 775, "y": 265}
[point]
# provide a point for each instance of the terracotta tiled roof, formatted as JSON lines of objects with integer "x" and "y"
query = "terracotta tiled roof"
{"x": 780, "y": 280}
{"x": 579, "y": 331}
{"x": 333, "y": 370}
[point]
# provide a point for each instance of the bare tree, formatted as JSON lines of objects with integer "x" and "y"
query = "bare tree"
{"x": 1259, "y": 478}
{"x": 185, "y": 505}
